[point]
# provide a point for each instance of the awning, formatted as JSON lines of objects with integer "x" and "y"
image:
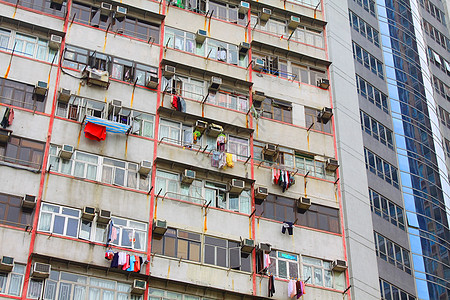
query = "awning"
{"x": 447, "y": 66}
{"x": 436, "y": 57}
{"x": 111, "y": 126}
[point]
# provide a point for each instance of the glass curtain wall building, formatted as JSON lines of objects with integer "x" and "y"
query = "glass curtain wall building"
{"x": 414, "y": 48}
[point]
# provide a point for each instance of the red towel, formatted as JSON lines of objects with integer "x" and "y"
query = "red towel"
{"x": 95, "y": 132}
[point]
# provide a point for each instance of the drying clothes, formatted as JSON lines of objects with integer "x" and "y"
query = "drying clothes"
{"x": 122, "y": 258}
{"x": 175, "y": 102}
{"x": 222, "y": 160}
{"x": 137, "y": 264}
{"x": 271, "y": 286}
{"x": 181, "y": 104}
{"x": 266, "y": 260}
{"x": 288, "y": 226}
{"x": 95, "y": 132}
{"x": 8, "y": 117}
{"x": 229, "y": 159}
{"x": 299, "y": 288}
{"x": 131, "y": 265}
{"x": 215, "y": 159}
{"x": 127, "y": 262}
{"x": 292, "y": 289}
{"x": 221, "y": 142}
{"x": 109, "y": 254}
{"x": 115, "y": 261}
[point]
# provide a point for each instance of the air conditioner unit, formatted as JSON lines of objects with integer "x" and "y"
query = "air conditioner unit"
{"x": 270, "y": 150}
{"x": 29, "y": 201}
{"x": 99, "y": 78}
{"x": 265, "y": 247}
{"x": 201, "y": 126}
{"x": 88, "y": 213}
{"x": 265, "y": 14}
{"x": 214, "y": 83}
{"x": 104, "y": 216}
{"x": 152, "y": 82}
{"x": 63, "y": 95}
{"x": 159, "y": 227}
{"x": 303, "y": 203}
{"x": 114, "y": 107}
{"x": 237, "y": 186}
{"x": 6, "y": 264}
{"x": 294, "y": 22}
{"x": 55, "y": 42}
{"x": 261, "y": 193}
{"x": 325, "y": 115}
{"x": 139, "y": 287}
{"x": 200, "y": 36}
{"x": 121, "y": 11}
{"x": 247, "y": 245}
{"x": 4, "y": 135}
{"x": 332, "y": 164}
{"x": 66, "y": 152}
{"x": 188, "y": 176}
{"x": 244, "y": 7}
{"x": 339, "y": 265}
{"x": 169, "y": 71}
{"x": 41, "y": 88}
{"x": 258, "y": 96}
{"x": 145, "y": 167}
{"x": 244, "y": 47}
{"x": 258, "y": 64}
{"x": 323, "y": 83}
{"x": 41, "y": 270}
{"x": 105, "y": 8}
{"x": 214, "y": 130}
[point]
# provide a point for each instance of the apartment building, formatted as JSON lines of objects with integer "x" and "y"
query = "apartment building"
{"x": 401, "y": 54}
{"x": 182, "y": 150}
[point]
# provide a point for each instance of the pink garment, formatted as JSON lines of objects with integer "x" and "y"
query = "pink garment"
{"x": 11, "y": 117}
{"x": 291, "y": 288}
{"x": 127, "y": 262}
{"x": 266, "y": 260}
{"x": 113, "y": 233}
{"x": 122, "y": 259}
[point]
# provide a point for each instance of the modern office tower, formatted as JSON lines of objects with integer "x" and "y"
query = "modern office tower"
{"x": 187, "y": 150}
{"x": 401, "y": 52}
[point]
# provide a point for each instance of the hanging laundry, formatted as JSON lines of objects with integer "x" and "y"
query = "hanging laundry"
{"x": 292, "y": 289}
{"x": 127, "y": 262}
{"x": 266, "y": 261}
{"x": 175, "y": 102}
{"x": 229, "y": 159}
{"x": 131, "y": 264}
{"x": 196, "y": 135}
{"x": 109, "y": 254}
{"x": 115, "y": 261}
{"x": 8, "y": 117}
{"x": 271, "y": 286}
{"x": 122, "y": 258}
{"x": 95, "y": 132}
{"x": 300, "y": 289}
{"x": 287, "y": 225}
{"x": 215, "y": 159}
{"x": 181, "y": 104}
{"x": 222, "y": 160}
{"x": 221, "y": 142}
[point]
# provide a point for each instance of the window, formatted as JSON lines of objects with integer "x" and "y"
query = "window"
{"x": 11, "y": 212}
{"x": 438, "y": 61}
{"x": 392, "y": 253}
{"x": 284, "y": 265}
{"x": 238, "y": 146}
{"x": 311, "y": 118}
{"x": 65, "y": 285}
{"x": 227, "y": 254}
{"x": 447, "y": 147}
{"x": 170, "y": 131}
{"x": 130, "y": 234}
{"x": 46, "y": 6}
{"x": 128, "y": 26}
{"x": 319, "y": 272}
{"x": 227, "y": 12}
{"x": 436, "y": 35}
{"x": 178, "y": 243}
{"x": 98, "y": 168}
{"x": 386, "y": 209}
{"x": 59, "y": 220}
{"x": 21, "y": 95}
{"x": 217, "y": 194}
{"x": 391, "y": 292}
{"x": 365, "y": 29}
{"x": 441, "y": 88}
{"x": 276, "y": 110}
{"x": 383, "y": 169}
{"x": 157, "y": 294}
{"x": 368, "y": 60}
{"x": 229, "y": 100}
{"x": 23, "y": 152}
{"x": 285, "y": 209}
{"x": 368, "y": 5}
{"x": 214, "y": 49}
{"x": 11, "y": 283}
{"x": 376, "y": 130}
{"x": 184, "y": 86}
{"x": 372, "y": 94}
{"x": 433, "y": 10}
